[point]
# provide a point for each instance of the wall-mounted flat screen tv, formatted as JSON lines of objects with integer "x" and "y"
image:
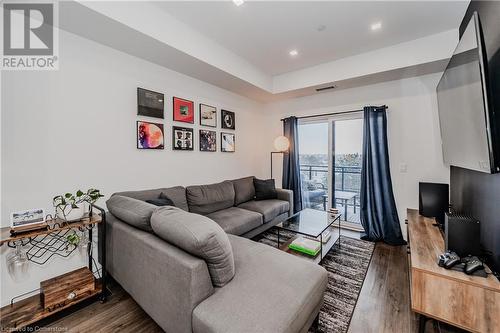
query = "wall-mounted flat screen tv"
{"x": 467, "y": 131}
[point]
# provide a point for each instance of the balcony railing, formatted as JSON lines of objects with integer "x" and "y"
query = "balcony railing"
{"x": 347, "y": 178}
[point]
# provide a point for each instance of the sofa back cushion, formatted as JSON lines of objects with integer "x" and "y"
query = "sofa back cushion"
{"x": 199, "y": 236}
{"x": 177, "y": 194}
{"x": 244, "y": 190}
{"x": 135, "y": 212}
{"x": 206, "y": 199}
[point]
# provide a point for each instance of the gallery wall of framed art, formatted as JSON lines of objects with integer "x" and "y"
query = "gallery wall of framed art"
{"x": 151, "y": 135}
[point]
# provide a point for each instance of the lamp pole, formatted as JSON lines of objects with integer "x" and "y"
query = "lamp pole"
{"x": 281, "y": 144}
{"x": 274, "y": 152}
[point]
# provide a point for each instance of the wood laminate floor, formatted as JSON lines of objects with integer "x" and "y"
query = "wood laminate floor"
{"x": 383, "y": 304}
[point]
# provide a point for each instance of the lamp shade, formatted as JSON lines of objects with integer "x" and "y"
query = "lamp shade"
{"x": 281, "y": 143}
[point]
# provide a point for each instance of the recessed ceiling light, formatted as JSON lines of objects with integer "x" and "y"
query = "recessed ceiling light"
{"x": 293, "y": 53}
{"x": 376, "y": 26}
{"x": 238, "y": 2}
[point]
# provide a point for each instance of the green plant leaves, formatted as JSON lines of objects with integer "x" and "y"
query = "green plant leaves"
{"x": 68, "y": 199}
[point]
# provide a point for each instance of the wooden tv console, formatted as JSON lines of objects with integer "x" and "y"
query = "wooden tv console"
{"x": 468, "y": 302}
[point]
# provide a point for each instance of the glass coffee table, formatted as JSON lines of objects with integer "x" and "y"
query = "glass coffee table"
{"x": 311, "y": 223}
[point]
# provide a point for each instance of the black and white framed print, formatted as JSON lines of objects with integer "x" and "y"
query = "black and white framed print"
{"x": 208, "y": 140}
{"x": 208, "y": 115}
{"x": 182, "y": 138}
{"x": 227, "y": 143}
{"x": 228, "y": 119}
{"x": 150, "y": 103}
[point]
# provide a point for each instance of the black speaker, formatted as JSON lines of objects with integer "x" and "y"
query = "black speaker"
{"x": 462, "y": 235}
{"x": 433, "y": 200}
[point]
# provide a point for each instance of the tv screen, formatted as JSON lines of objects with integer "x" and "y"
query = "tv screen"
{"x": 463, "y": 105}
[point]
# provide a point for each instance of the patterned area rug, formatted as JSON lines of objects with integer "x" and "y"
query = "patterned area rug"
{"x": 346, "y": 268}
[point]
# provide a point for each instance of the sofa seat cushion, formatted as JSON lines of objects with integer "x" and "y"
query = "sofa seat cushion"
{"x": 206, "y": 199}
{"x": 268, "y": 208}
{"x": 272, "y": 291}
{"x": 198, "y": 235}
{"x": 236, "y": 221}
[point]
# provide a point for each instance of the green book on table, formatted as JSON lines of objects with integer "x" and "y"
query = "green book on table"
{"x": 305, "y": 245}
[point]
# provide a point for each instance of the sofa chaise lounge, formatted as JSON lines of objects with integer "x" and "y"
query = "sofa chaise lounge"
{"x": 165, "y": 258}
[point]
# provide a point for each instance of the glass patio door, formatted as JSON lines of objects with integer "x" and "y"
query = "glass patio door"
{"x": 330, "y": 163}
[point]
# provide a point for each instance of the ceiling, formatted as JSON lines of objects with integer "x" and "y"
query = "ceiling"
{"x": 264, "y": 32}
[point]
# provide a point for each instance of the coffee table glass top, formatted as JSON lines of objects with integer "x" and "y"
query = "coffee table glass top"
{"x": 309, "y": 222}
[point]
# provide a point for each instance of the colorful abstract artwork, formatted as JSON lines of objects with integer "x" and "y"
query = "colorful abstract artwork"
{"x": 208, "y": 140}
{"x": 208, "y": 115}
{"x": 183, "y": 110}
{"x": 227, "y": 143}
{"x": 149, "y": 135}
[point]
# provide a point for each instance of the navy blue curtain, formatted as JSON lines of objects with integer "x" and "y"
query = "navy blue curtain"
{"x": 379, "y": 215}
{"x": 291, "y": 167}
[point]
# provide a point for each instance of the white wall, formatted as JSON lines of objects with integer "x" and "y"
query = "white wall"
{"x": 413, "y": 128}
{"x": 75, "y": 128}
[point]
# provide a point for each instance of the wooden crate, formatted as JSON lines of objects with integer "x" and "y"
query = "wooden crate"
{"x": 67, "y": 288}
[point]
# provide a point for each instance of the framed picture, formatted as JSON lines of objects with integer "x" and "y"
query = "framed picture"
{"x": 208, "y": 140}
{"x": 183, "y": 110}
{"x": 182, "y": 138}
{"x": 227, "y": 142}
{"x": 227, "y": 119}
{"x": 208, "y": 115}
{"x": 26, "y": 218}
{"x": 150, "y": 103}
{"x": 149, "y": 135}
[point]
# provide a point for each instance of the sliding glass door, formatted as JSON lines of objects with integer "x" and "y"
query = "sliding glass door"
{"x": 330, "y": 163}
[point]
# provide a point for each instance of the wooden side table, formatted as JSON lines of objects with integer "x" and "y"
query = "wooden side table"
{"x": 43, "y": 244}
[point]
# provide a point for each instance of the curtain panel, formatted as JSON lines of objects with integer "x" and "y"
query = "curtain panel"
{"x": 379, "y": 215}
{"x": 291, "y": 168}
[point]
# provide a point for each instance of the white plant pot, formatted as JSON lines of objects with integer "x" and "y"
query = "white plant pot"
{"x": 73, "y": 214}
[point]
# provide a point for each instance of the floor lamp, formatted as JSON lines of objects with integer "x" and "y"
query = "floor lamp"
{"x": 281, "y": 144}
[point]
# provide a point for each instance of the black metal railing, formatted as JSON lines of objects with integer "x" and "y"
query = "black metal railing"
{"x": 347, "y": 178}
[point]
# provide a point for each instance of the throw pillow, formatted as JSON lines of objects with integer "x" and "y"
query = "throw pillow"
{"x": 265, "y": 189}
{"x": 162, "y": 200}
{"x": 200, "y": 236}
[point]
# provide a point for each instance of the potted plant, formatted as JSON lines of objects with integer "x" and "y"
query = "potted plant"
{"x": 71, "y": 207}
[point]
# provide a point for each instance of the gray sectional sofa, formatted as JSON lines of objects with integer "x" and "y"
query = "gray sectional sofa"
{"x": 191, "y": 270}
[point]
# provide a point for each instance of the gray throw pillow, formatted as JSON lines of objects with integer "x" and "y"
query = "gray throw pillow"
{"x": 135, "y": 212}
{"x": 198, "y": 235}
{"x": 244, "y": 190}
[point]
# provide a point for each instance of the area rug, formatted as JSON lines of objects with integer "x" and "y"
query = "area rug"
{"x": 346, "y": 268}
